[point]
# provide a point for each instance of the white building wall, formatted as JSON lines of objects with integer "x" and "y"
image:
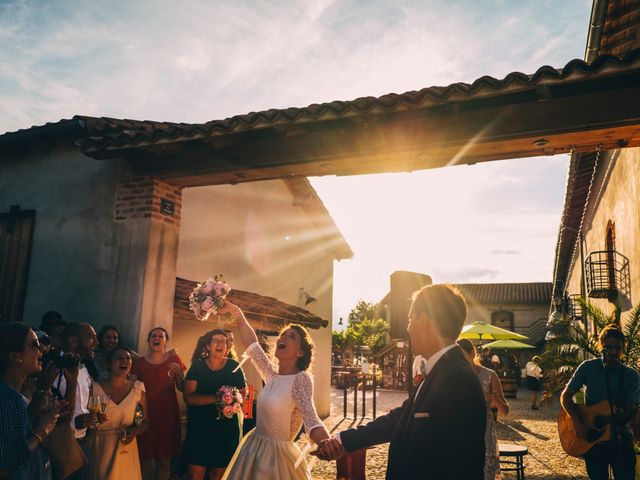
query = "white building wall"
{"x": 254, "y": 235}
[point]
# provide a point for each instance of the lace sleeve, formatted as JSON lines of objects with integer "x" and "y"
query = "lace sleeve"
{"x": 302, "y": 393}
{"x": 260, "y": 360}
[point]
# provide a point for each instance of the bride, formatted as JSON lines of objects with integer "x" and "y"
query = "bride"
{"x": 286, "y": 402}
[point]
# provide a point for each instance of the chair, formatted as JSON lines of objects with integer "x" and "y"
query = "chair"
{"x": 513, "y": 458}
{"x": 247, "y": 403}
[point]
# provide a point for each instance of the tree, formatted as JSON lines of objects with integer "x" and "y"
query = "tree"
{"x": 366, "y": 310}
{"x": 366, "y": 326}
{"x": 338, "y": 340}
{"x": 563, "y": 354}
{"x": 372, "y": 333}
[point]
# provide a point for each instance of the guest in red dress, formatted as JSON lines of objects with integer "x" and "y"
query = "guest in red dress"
{"x": 162, "y": 373}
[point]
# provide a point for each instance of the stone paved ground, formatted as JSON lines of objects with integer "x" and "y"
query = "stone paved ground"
{"x": 534, "y": 429}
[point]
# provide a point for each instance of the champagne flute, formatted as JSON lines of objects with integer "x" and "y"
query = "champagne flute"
{"x": 94, "y": 407}
{"x": 123, "y": 438}
{"x": 104, "y": 402}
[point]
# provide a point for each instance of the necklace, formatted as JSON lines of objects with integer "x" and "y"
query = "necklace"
{"x": 209, "y": 364}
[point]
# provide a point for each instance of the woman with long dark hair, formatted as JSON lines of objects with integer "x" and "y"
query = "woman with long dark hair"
{"x": 285, "y": 404}
{"x": 108, "y": 339}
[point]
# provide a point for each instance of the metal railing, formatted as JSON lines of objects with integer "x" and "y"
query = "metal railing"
{"x": 575, "y": 308}
{"x": 607, "y": 275}
{"x": 535, "y": 330}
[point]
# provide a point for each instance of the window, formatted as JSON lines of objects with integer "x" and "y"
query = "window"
{"x": 502, "y": 319}
{"x": 16, "y": 236}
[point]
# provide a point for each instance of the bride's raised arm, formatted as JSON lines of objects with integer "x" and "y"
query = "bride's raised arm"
{"x": 245, "y": 331}
{"x": 248, "y": 337}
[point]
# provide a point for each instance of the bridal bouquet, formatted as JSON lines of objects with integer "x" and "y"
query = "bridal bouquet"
{"x": 229, "y": 401}
{"x": 207, "y": 297}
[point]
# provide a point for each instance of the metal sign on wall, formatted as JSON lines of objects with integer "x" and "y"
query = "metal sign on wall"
{"x": 167, "y": 207}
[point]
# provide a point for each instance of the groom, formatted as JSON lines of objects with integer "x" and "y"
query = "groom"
{"x": 438, "y": 433}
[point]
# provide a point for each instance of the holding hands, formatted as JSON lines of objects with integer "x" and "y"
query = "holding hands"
{"x": 329, "y": 449}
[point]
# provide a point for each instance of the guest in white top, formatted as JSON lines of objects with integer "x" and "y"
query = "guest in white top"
{"x": 80, "y": 339}
{"x": 534, "y": 376}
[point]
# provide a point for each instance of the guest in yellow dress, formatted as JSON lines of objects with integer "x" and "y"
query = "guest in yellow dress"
{"x": 113, "y": 446}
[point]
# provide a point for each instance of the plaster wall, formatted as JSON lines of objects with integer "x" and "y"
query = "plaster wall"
{"x": 618, "y": 201}
{"x": 261, "y": 242}
{"x": 84, "y": 264}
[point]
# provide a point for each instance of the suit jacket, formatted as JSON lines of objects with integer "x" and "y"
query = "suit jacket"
{"x": 439, "y": 434}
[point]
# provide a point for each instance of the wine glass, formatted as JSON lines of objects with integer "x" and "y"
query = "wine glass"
{"x": 123, "y": 438}
{"x": 94, "y": 407}
{"x": 104, "y": 402}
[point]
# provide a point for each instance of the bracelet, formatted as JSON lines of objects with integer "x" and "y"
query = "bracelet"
{"x": 38, "y": 437}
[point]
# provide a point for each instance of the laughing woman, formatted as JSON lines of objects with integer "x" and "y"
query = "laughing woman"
{"x": 113, "y": 446}
{"x": 161, "y": 373}
{"x": 285, "y": 403}
{"x": 211, "y": 369}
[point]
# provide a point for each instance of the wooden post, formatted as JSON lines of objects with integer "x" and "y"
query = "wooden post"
{"x": 344, "y": 400}
{"x": 364, "y": 393}
{"x": 355, "y": 398}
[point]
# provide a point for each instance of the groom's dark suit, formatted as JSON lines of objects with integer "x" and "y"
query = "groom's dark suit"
{"x": 439, "y": 435}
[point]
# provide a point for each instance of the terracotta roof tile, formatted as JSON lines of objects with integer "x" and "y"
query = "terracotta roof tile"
{"x": 102, "y": 134}
{"x": 115, "y": 134}
{"x": 269, "y": 312}
{"x": 506, "y": 293}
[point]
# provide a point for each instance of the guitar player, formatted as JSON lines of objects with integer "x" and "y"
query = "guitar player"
{"x": 607, "y": 379}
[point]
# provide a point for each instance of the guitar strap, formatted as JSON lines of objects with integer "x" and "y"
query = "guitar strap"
{"x": 615, "y": 408}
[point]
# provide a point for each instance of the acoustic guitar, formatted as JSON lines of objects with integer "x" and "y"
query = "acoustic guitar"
{"x": 597, "y": 421}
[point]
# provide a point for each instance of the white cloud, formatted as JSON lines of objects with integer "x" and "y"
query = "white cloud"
{"x": 200, "y": 60}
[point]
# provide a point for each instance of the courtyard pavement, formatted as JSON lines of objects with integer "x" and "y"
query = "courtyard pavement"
{"x": 535, "y": 429}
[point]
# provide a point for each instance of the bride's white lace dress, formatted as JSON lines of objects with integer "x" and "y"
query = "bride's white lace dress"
{"x": 286, "y": 402}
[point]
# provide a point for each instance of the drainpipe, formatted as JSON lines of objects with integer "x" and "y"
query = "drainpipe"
{"x": 599, "y": 10}
{"x": 596, "y": 27}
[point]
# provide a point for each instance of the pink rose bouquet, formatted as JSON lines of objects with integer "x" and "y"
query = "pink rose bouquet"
{"x": 207, "y": 297}
{"x": 229, "y": 401}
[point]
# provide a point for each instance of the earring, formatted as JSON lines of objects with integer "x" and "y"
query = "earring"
{"x": 19, "y": 360}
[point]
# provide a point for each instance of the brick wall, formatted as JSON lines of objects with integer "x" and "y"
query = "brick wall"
{"x": 622, "y": 28}
{"x": 148, "y": 197}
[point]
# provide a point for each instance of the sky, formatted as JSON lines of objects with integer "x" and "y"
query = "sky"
{"x": 195, "y": 61}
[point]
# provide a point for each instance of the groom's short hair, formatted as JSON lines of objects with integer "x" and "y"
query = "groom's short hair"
{"x": 444, "y": 305}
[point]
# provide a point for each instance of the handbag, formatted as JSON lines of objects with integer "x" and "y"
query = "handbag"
{"x": 65, "y": 452}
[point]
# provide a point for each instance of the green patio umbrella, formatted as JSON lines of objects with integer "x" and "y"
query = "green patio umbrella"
{"x": 486, "y": 331}
{"x": 508, "y": 345}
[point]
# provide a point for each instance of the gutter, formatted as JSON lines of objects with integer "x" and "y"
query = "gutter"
{"x": 596, "y": 27}
{"x": 598, "y": 19}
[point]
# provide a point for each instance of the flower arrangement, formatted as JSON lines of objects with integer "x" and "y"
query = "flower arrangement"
{"x": 207, "y": 297}
{"x": 229, "y": 401}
